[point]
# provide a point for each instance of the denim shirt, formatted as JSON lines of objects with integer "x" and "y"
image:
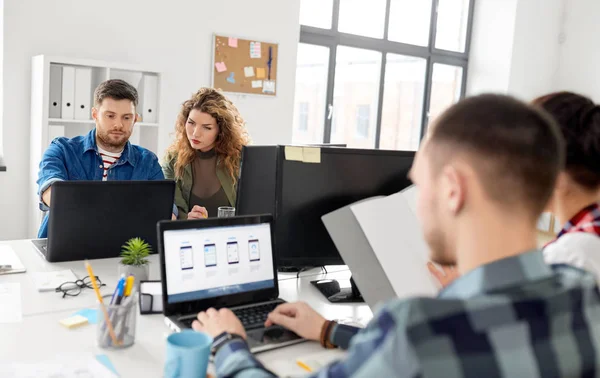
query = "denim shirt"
{"x": 78, "y": 159}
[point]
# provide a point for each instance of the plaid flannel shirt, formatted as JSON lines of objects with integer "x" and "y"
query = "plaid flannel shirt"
{"x": 516, "y": 317}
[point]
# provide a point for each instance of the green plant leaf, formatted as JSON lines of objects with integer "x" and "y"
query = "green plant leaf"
{"x": 135, "y": 251}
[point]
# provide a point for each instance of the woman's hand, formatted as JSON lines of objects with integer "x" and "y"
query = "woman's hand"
{"x": 198, "y": 212}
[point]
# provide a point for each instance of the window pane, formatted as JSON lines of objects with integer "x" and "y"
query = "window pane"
{"x": 311, "y": 90}
{"x": 403, "y": 97}
{"x": 317, "y": 13}
{"x": 452, "y": 18}
{"x": 446, "y": 84}
{"x": 362, "y": 17}
{"x": 355, "y": 97}
{"x": 409, "y": 21}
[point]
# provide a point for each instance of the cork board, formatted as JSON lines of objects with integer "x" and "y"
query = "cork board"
{"x": 244, "y": 66}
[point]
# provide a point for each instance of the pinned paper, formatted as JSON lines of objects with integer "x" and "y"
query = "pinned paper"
{"x": 249, "y": 71}
{"x": 303, "y": 154}
{"x": 233, "y": 42}
{"x": 260, "y": 73}
{"x": 221, "y": 67}
{"x": 255, "y": 52}
{"x": 269, "y": 86}
{"x": 231, "y": 78}
{"x": 257, "y": 83}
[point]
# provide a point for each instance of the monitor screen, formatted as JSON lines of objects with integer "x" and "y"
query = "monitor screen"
{"x": 205, "y": 263}
{"x": 307, "y": 191}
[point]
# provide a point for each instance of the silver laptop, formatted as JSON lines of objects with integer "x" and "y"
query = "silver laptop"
{"x": 222, "y": 262}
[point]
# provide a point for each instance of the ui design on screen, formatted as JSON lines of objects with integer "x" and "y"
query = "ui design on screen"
{"x": 212, "y": 262}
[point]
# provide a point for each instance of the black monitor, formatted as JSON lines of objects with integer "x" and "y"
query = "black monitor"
{"x": 257, "y": 181}
{"x": 307, "y": 191}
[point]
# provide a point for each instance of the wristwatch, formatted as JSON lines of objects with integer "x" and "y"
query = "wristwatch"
{"x": 222, "y": 339}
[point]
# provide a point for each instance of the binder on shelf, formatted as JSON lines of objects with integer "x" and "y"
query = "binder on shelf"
{"x": 83, "y": 93}
{"x": 55, "y": 131}
{"x": 55, "y": 91}
{"x": 68, "y": 93}
{"x": 149, "y": 98}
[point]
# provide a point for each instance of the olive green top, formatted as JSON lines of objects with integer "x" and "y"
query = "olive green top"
{"x": 183, "y": 187}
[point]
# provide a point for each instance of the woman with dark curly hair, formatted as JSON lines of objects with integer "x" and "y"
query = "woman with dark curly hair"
{"x": 577, "y": 192}
{"x": 205, "y": 158}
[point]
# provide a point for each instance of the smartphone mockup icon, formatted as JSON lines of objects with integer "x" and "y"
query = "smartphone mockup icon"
{"x": 186, "y": 257}
{"x": 210, "y": 255}
{"x": 233, "y": 255}
{"x": 254, "y": 250}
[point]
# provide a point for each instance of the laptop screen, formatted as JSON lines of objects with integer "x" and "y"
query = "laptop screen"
{"x": 205, "y": 263}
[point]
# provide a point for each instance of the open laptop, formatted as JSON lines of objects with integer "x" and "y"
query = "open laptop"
{"x": 222, "y": 262}
{"x": 93, "y": 219}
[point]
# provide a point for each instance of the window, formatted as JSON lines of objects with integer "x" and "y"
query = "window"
{"x": 303, "y": 116}
{"x": 374, "y": 73}
{"x": 362, "y": 121}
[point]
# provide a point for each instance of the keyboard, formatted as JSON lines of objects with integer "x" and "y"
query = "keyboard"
{"x": 251, "y": 317}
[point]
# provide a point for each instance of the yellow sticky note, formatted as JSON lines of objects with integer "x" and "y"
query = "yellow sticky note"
{"x": 74, "y": 321}
{"x": 311, "y": 155}
{"x": 260, "y": 73}
{"x": 293, "y": 153}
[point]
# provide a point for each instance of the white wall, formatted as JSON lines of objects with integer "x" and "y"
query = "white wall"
{"x": 515, "y": 47}
{"x": 580, "y": 54}
{"x": 175, "y": 36}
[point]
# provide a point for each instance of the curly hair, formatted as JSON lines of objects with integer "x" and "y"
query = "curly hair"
{"x": 579, "y": 121}
{"x": 230, "y": 140}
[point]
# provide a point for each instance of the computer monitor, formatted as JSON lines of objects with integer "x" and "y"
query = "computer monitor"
{"x": 307, "y": 191}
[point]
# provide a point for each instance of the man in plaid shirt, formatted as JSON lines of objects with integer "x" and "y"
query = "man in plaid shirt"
{"x": 484, "y": 174}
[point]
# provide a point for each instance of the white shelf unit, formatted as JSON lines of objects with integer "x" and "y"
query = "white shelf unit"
{"x": 62, "y": 92}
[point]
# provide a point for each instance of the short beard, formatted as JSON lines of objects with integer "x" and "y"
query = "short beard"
{"x": 107, "y": 142}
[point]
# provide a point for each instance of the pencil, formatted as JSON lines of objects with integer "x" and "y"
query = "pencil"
{"x": 304, "y": 366}
{"x": 97, "y": 290}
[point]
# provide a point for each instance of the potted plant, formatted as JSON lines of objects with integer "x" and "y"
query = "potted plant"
{"x": 134, "y": 260}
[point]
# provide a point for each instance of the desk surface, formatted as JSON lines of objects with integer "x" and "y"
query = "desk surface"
{"x": 40, "y": 336}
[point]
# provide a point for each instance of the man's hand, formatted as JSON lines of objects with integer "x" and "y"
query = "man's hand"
{"x": 198, "y": 212}
{"x": 450, "y": 274}
{"x": 298, "y": 317}
{"x": 46, "y": 196}
{"x": 216, "y": 322}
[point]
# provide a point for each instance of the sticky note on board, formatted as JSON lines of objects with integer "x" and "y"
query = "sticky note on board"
{"x": 74, "y": 321}
{"x": 249, "y": 71}
{"x": 294, "y": 153}
{"x": 311, "y": 155}
{"x": 221, "y": 67}
{"x": 231, "y": 78}
{"x": 257, "y": 83}
{"x": 233, "y": 42}
{"x": 260, "y": 73}
{"x": 255, "y": 52}
{"x": 269, "y": 86}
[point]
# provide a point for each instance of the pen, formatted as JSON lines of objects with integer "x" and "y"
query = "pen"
{"x": 112, "y": 299}
{"x": 97, "y": 290}
{"x": 129, "y": 285}
{"x": 304, "y": 366}
{"x": 121, "y": 290}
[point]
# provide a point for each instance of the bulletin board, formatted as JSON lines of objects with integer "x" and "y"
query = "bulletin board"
{"x": 244, "y": 66}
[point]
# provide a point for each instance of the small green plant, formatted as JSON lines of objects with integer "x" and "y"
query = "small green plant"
{"x": 135, "y": 251}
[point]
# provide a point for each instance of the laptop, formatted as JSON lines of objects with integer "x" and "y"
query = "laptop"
{"x": 222, "y": 262}
{"x": 93, "y": 219}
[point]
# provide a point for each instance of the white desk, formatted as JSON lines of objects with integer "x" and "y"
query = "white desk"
{"x": 39, "y": 336}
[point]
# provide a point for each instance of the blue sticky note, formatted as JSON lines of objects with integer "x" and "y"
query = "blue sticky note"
{"x": 104, "y": 360}
{"x": 90, "y": 314}
{"x": 230, "y": 78}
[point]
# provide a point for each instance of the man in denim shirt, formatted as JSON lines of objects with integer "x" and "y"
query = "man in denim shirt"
{"x": 104, "y": 153}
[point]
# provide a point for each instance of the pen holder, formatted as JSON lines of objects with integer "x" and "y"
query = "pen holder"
{"x": 122, "y": 319}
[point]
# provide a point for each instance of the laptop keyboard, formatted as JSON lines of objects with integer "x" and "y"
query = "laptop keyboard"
{"x": 251, "y": 317}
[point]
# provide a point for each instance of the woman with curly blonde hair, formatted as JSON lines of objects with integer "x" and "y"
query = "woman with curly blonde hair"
{"x": 205, "y": 158}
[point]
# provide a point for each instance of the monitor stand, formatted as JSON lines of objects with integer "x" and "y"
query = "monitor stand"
{"x": 334, "y": 294}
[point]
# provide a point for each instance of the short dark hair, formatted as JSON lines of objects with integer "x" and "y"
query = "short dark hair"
{"x": 116, "y": 89}
{"x": 517, "y": 149}
{"x": 579, "y": 122}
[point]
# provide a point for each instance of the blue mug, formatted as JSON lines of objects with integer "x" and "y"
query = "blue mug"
{"x": 187, "y": 354}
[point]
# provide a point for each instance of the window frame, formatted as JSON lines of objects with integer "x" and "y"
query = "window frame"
{"x": 332, "y": 38}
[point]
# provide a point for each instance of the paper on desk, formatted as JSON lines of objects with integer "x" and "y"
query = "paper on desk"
{"x": 49, "y": 281}
{"x": 289, "y": 367}
{"x": 9, "y": 257}
{"x": 10, "y": 303}
{"x": 63, "y": 367}
{"x": 393, "y": 231}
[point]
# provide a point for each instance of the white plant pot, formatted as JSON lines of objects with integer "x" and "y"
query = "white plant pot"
{"x": 140, "y": 273}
